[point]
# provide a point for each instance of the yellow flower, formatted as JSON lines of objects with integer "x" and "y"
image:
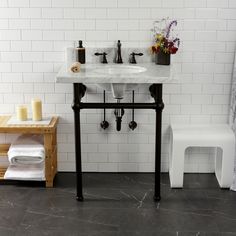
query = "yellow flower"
{"x": 166, "y": 50}
{"x": 159, "y": 37}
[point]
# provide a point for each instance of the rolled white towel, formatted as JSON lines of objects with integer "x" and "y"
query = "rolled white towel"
{"x": 75, "y": 67}
{"x": 27, "y": 149}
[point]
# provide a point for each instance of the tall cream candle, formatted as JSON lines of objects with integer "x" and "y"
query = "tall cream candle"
{"x": 36, "y": 109}
{"x": 21, "y": 113}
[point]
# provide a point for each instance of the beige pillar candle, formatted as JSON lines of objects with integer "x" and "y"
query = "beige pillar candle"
{"x": 21, "y": 113}
{"x": 36, "y": 109}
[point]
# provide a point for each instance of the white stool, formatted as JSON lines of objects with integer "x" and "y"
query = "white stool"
{"x": 201, "y": 135}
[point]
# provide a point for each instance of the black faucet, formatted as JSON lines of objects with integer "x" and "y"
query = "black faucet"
{"x": 119, "y": 59}
{"x": 132, "y": 57}
{"x": 103, "y": 54}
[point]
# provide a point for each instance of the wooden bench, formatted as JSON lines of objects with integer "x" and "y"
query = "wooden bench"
{"x": 50, "y": 143}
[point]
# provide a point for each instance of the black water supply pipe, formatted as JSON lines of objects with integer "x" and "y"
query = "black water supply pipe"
{"x": 119, "y": 113}
{"x": 104, "y": 124}
{"x": 132, "y": 124}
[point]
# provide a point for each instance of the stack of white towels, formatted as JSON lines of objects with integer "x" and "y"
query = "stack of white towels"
{"x": 27, "y": 159}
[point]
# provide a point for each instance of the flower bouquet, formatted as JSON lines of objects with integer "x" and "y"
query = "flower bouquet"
{"x": 165, "y": 41}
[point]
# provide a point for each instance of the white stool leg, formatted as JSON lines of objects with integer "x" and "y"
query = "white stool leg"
{"x": 176, "y": 172}
{"x": 225, "y": 170}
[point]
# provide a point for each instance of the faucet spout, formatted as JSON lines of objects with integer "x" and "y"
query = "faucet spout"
{"x": 119, "y": 58}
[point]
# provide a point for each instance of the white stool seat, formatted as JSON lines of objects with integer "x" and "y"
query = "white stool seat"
{"x": 202, "y": 135}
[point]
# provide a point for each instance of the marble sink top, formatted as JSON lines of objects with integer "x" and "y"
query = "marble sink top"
{"x": 142, "y": 73}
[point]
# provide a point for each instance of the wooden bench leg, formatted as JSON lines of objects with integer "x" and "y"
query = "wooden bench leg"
{"x": 48, "y": 145}
{"x": 49, "y": 183}
{"x": 55, "y": 151}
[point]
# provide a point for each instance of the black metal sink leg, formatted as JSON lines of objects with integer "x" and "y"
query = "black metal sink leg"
{"x": 156, "y": 93}
{"x": 79, "y": 91}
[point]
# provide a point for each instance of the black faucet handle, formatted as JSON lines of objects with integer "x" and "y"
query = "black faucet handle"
{"x": 132, "y": 58}
{"x": 136, "y": 54}
{"x": 103, "y": 54}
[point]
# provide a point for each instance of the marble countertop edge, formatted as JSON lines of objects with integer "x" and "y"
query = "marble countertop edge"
{"x": 153, "y": 74}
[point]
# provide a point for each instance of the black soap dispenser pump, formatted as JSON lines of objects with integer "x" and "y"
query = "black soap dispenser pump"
{"x": 81, "y": 52}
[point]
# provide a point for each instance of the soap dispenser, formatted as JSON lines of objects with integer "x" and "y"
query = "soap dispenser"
{"x": 81, "y": 52}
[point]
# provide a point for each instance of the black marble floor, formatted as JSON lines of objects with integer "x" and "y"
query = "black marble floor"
{"x": 118, "y": 205}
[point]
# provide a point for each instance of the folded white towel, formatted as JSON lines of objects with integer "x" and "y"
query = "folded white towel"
{"x": 27, "y": 149}
{"x": 35, "y": 172}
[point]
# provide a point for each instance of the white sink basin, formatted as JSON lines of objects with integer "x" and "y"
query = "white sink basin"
{"x": 120, "y": 70}
{"x": 118, "y": 89}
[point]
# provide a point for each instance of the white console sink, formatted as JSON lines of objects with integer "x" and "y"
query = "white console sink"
{"x": 118, "y": 77}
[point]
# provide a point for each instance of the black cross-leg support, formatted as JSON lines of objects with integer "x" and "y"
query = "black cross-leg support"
{"x": 158, "y": 105}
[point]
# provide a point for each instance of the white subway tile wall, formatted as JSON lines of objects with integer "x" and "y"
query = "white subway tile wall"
{"x": 35, "y": 33}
